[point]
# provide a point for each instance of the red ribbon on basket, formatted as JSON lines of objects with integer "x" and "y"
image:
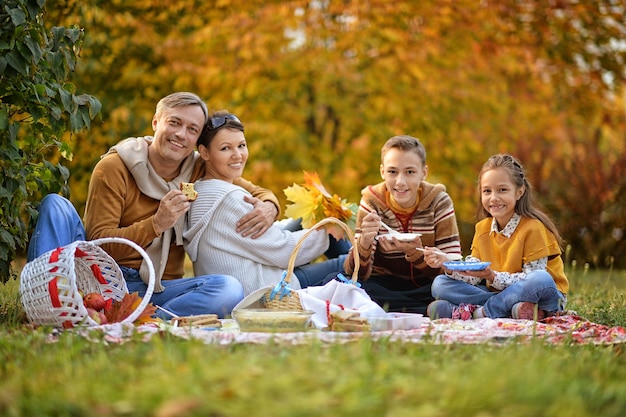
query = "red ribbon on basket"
{"x": 328, "y": 316}
{"x": 53, "y": 290}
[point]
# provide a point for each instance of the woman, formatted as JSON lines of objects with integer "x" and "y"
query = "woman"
{"x": 210, "y": 237}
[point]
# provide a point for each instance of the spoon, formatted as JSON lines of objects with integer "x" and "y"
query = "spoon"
{"x": 390, "y": 230}
{"x": 449, "y": 256}
{"x": 168, "y": 312}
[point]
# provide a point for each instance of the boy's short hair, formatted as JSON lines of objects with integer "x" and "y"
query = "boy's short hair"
{"x": 405, "y": 143}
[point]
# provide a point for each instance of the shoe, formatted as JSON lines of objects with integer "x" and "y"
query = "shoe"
{"x": 526, "y": 311}
{"x": 440, "y": 309}
{"x": 464, "y": 311}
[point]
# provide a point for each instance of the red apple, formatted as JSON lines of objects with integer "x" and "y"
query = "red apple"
{"x": 94, "y": 315}
{"x": 103, "y": 318}
{"x": 95, "y": 301}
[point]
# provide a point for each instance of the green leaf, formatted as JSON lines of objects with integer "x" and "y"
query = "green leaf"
{"x": 17, "y": 16}
{"x": 34, "y": 48}
{"x": 17, "y": 62}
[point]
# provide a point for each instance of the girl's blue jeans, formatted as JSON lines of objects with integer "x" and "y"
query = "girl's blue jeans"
{"x": 538, "y": 288}
{"x": 59, "y": 224}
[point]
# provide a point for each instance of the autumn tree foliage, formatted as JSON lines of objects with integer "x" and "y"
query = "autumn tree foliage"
{"x": 321, "y": 85}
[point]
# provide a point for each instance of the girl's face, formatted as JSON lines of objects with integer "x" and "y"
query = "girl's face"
{"x": 226, "y": 155}
{"x": 403, "y": 172}
{"x": 499, "y": 195}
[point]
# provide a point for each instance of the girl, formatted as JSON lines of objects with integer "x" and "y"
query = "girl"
{"x": 525, "y": 279}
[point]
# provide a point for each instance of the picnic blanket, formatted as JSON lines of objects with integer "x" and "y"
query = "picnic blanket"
{"x": 564, "y": 329}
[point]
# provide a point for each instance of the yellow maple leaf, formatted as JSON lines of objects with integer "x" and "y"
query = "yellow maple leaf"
{"x": 304, "y": 205}
{"x": 312, "y": 203}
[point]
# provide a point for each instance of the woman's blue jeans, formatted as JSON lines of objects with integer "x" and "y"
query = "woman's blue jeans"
{"x": 538, "y": 288}
{"x": 59, "y": 224}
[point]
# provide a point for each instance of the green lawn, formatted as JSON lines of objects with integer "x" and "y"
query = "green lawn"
{"x": 169, "y": 376}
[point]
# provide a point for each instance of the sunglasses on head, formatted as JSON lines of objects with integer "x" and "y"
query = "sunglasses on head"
{"x": 219, "y": 121}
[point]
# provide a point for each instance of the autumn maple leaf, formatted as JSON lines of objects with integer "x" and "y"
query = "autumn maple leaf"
{"x": 312, "y": 203}
{"x": 120, "y": 310}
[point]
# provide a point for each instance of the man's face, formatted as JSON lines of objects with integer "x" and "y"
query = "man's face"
{"x": 176, "y": 131}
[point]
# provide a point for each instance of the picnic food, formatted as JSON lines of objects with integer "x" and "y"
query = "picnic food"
{"x": 348, "y": 321}
{"x": 272, "y": 321}
{"x": 188, "y": 190}
{"x": 204, "y": 320}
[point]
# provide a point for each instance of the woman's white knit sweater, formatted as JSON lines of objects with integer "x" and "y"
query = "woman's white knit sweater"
{"x": 215, "y": 247}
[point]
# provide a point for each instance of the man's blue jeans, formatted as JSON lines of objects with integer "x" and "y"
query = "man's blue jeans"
{"x": 59, "y": 224}
{"x": 538, "y": 288}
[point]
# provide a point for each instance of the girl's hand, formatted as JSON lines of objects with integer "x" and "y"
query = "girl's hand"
{"x": 487, "y": 274}
{"x": 433, "y": 259}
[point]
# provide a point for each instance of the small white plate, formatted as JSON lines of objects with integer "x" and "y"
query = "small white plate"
{"x": 402, "y": 237}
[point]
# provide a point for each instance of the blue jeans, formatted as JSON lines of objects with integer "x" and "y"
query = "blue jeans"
{"x": 538, "y": 288}
{"x": 59, "y": 224}
{"x": 205, "y": 294}
{"x": 316, "y": 273}
{"x": 336, "y": 248}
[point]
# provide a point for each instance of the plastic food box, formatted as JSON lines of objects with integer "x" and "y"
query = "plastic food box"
{"x": 396, "y": 321}
{"x": 273, "y": 321}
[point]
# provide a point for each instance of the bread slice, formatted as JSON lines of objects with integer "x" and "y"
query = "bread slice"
{"x": 187, "y": 189}
{"x": 204, "y": 320}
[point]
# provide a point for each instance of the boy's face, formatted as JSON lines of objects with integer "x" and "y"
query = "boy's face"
{"x": 403, "y": 172}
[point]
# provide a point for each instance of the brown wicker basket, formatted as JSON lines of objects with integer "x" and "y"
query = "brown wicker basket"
{"x": 291, "y": 300}
{"x": 51, "y": 284}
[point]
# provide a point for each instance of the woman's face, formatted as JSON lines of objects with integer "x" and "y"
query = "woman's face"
{"x": 226, "y": 156}
{"x": 499, "y": 194}
{"x": 403, "y": 172}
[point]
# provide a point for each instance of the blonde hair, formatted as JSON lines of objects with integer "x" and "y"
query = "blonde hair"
{"x": 526, "y": 206}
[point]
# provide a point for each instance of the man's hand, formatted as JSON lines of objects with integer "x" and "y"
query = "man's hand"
{"x": 261, "y": 218}
{"x": 173, "y": 205}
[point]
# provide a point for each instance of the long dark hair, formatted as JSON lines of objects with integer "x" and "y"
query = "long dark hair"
{"x": 526, "y": 206}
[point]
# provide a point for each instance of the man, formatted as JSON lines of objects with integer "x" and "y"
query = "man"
{"x": 134, "y": 194}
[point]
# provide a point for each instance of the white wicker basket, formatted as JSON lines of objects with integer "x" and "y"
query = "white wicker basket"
{"x": 50, "y": 284}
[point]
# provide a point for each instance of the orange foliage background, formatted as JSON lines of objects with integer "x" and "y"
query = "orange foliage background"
{"x": 321, "y": 86}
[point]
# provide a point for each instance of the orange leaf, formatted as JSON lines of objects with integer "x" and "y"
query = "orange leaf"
{"x": 120, "y": 310}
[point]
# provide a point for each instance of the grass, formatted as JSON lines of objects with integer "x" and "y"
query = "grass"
{"x": 169, "y": 376}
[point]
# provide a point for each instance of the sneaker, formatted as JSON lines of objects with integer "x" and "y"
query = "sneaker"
{"x": 526, "y": 311}
{"x": 440, "y": 309}
{"x": 464, "y": 311}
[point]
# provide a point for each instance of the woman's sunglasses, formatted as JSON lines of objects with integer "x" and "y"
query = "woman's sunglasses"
{"x": 219, "y": 121}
